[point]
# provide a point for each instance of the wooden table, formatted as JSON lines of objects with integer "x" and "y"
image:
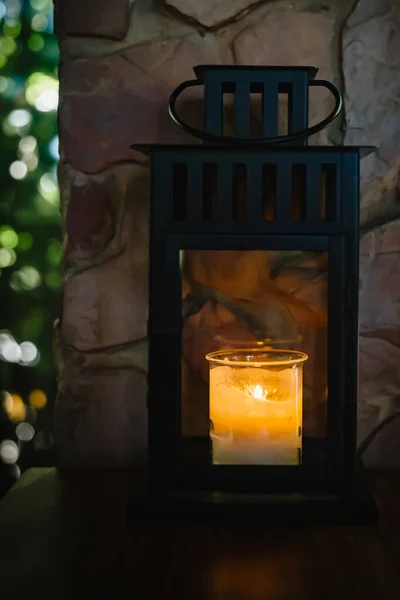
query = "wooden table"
{"x": 67, "y": 537}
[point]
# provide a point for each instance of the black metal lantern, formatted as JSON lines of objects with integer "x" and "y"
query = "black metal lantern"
{"x": 254, "y": 280}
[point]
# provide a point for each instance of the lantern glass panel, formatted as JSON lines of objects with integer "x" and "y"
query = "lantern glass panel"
{"x": 269, "y": 310}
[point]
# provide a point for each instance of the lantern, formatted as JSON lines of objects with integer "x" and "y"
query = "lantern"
{"x": 252, "y": 385}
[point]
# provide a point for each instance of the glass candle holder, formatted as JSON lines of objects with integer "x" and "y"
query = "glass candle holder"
{"x": 256, "y": 401}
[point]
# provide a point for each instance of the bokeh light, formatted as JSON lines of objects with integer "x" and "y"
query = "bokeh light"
{"x": 25, "y": 432}
{"x": 27, "y": 151}
{"x": 8, "y": 237}
{"x": 48, "y": 187}
{"x": 12, "y": 27}
{"x": 3, "y": 84}
{"x": 8, "y": 402}
{"x": 54, "y": 280}
{"x": 7, "y": 45}
{"x": 54, "y": 253}
{"x": 36, "y": 42}
{"x": 7, "y": 257}
{"x": 18, "y": 169}
{"x": 13, "y": 8}
{"x": 14, "y": 408}
{"x": 31, "y": 162}
{"x": 27, "y": 278}
{"x": 25, "y": 241}
{"x": 10, "y": 88}
{"x": 15, "y": 471}
{"x": 47, "y": 101}
{"x": 54, "y": 148}
{"x": 5, "y": 338}
{"x": 48, "y": 201}
{"x": 39, "y": 22}
{"x": 19, "y": 118}
{"x": 28, "y": 144}
{"x": 29, "y": 354}
{"x": 42, "y": 92}
{"x": 25, "y": 354}
{"x": 9, "y": 349}
{"x": 9, "y": 452}
{"x": 39, "y": 4}
{"x": 30, "y": 248}
{"x": 37, "y": 399}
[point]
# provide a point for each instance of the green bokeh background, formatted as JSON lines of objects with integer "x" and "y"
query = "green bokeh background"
{"x": 30, "y": 234}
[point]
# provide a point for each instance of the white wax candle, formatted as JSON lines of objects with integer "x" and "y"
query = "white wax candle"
{"x": 256, "y": 414}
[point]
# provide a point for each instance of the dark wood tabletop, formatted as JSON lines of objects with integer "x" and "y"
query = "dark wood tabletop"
{"x": 67, "y": 536}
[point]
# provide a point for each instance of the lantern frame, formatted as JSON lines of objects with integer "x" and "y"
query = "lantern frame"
{"x": 328, "y": 483}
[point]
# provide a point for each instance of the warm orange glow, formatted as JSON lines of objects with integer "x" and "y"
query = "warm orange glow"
{"x": 37, "y": 399}
{"x": 14, "y": 407}
{"x": 256, "y": 406}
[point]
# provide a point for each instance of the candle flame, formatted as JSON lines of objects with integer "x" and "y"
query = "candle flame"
{"x": 258, "y": 392}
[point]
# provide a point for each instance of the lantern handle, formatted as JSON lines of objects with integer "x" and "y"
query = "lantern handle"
{"x": 211, "y": 137}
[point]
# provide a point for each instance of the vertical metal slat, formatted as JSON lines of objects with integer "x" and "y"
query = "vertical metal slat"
{"x": 313, "y": 191}
{"x": 284, "y": 190}
{"x": 213, "y": 104}
{"x": 242, "y": 110}
{"x": 270, "y": 100}
{"x": 225, "y": 191}
{"x": 298, "y": 106}
{"x": 195, "y": 191}
{"x": 254, "y": 192}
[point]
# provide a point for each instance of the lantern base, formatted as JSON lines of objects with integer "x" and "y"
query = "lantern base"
{"x": 357, "y": 507}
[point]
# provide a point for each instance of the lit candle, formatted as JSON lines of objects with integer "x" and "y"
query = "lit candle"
{"x": 256, "y": 406}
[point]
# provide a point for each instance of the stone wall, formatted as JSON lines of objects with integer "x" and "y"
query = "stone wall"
{"x": 120, "y": 60}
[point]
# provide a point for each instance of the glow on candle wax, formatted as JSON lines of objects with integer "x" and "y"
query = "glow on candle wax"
{"x": 256, "y": 406}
